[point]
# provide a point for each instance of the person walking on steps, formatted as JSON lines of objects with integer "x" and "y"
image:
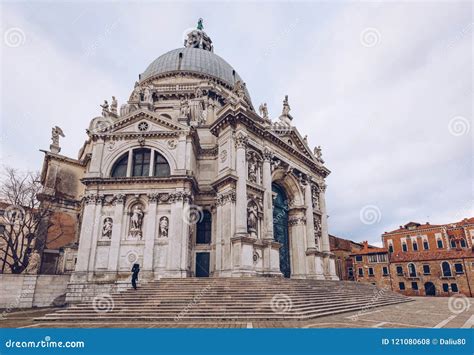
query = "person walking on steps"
{"x": 135, "y": 271}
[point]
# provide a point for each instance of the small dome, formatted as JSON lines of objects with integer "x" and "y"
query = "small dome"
{"x": 194, "y": 60}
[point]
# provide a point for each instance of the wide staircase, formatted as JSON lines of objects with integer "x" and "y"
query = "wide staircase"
{"x": 229, "y": 299}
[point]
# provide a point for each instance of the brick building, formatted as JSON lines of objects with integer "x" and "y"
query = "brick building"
{"x": 371, "y": 265}
{"x": 342, "y": 250}
{"x": 423, "y": 260}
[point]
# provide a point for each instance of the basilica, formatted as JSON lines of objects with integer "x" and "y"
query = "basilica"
{"x": 188, "y": 179}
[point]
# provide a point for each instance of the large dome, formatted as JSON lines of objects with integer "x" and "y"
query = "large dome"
{"x": 194, "y": 60}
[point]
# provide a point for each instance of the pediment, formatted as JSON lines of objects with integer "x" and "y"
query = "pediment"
{"x": 145, "y": 121}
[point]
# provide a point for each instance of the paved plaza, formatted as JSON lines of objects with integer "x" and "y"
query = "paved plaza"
{"x": 423, "y": 312}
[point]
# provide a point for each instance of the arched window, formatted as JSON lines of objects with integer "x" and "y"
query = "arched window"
{"x": 440, "y": 243}
{"x": 463, "y": 243}
{"x": 446, "y": 268}
{"x": 141, "y": 162}
{"x": 120, "y": 166}
{"x": 412, "y": 270}
{"x": 162, "y": 167}
{"x": 204, "y": 227}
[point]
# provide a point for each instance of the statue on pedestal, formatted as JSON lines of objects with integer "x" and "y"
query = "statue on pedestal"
{"x": 55, "y": 133}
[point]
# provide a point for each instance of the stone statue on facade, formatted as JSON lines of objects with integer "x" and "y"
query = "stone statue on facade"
{"x": 286, "y": 107}
{"x": 318, "y": 154}
{"x": 113, "y": 105}
{"x": 263, "y": 111}
{"x": 105, "y": 109}
{"x": 107, "y": 228}
{"x": 33, "y": 263}
{"x": 163, "y": 227}
{"x": 147, "y": 95}
{"x": 252, "y": 219}
{"x": 56, "y": 132}
{"x": 184, "y": 109}
{"x": 252, "y": 162}
{"x": 315, "y": 197}
{"x": 136, "y": 222}
{"x": 239, "y": 89}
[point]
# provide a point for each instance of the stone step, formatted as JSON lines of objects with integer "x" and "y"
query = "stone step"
{"x": 231, "y": 298}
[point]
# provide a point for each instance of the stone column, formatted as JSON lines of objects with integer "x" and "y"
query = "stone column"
{"x": 175, "y": 235}
{"x": 85, "y": 238}
{"x": 119, "y": 202}
{"x": 241, "y": 186}
{"x": 330, "y": 270}
{"x": 150, "y": 233}
{"x": 297, "y": 226}
{"x": 308, "y": 199}
{"x": 267, "y": 197}
{"x": 324, "y": 220}
{"x": 95, "y": 231}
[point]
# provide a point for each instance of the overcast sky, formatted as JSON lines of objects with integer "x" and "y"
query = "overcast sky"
{"x": 384, "y": 87}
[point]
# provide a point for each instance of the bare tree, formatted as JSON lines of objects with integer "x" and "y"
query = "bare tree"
{"x": 25, "y": 218}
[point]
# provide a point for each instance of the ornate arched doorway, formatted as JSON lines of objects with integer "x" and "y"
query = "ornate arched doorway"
{"x": 280, "y": 228}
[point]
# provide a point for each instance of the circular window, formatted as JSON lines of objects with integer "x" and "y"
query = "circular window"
{"x": 143, "y": 126}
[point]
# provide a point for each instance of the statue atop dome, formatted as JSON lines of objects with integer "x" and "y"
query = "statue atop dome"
{"x": 199, "y": 39}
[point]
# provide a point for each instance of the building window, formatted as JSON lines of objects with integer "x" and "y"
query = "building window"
{"x": 385, "y": 271}
{"x": 453, "y": 243}
{"x": 426, "y": 246}
{"x": 372, "y": 258}
{"x": 371, "y": 271}
{"x": 382, "y": 258}
{"x": 399, "y": 271}
{"x": 141, "y": 162}
{"x": 120, "y": 167}
{"x": 401, "y": 285}
{"x": 204, "y": 228}
{"x": 454, "y": 287}
{"x": 458, "y": 268}
{"x": 446, "y": 268}
{"x": 390, "y": 248}
{"x": 404, "y": 247}
{"x": 350, "y": 272}
{"x": 361, "y": 272}
{"x": 162, "y": 168}
{"x": 446, "y": 287}
{"x": 463, "y": 243}
{"x": 415, "y": 246}
{"x": 411, "y": 270}
{"x": 426, "y": 269}
{"x": 440, "y": 244}
{"x": 359, "y": 258}
{"x": 414, "y": 286}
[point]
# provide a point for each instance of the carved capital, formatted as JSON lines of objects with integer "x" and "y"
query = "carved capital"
{"x": 241, "y": 140}
{"x": 293, "y": 221}
{"x": 267, "y": 155}
{"x": 153, "y": 197}
{"x": 100, "y": 200}
{"x": 119, "y": 199}
{"x": 225, "y": 198}
{"x": 90, "y": 199}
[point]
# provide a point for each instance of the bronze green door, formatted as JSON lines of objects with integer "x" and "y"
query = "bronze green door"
{"x": 280, "y": 228}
